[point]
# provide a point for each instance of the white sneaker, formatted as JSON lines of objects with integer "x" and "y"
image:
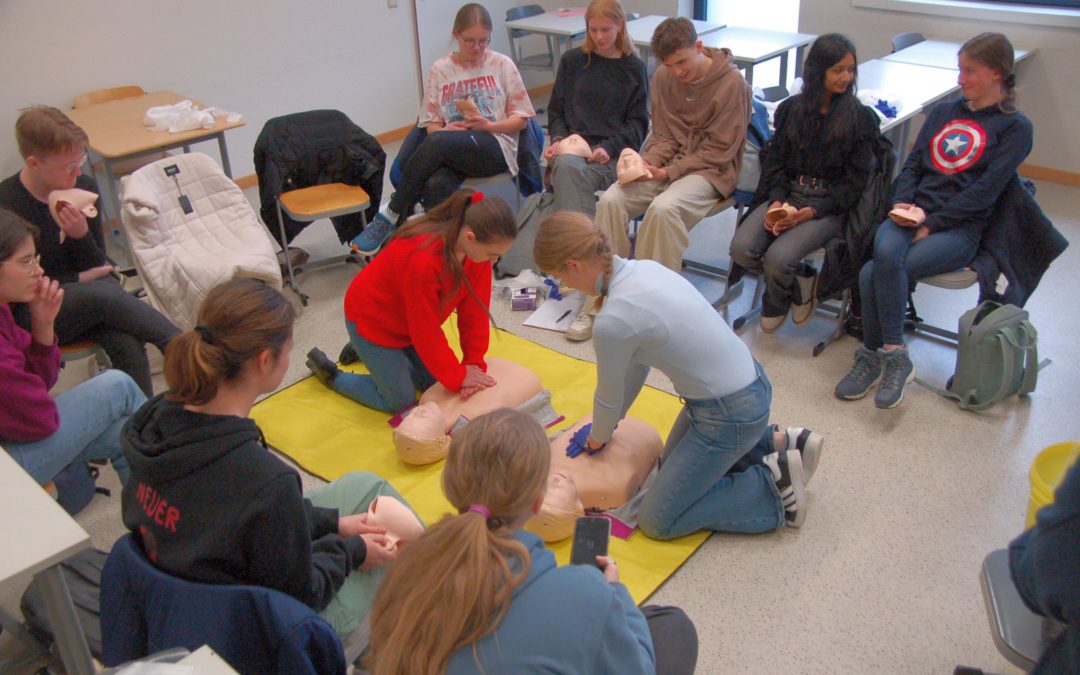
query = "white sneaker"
{"x": 787, "y": 471}
{"x": 810, "y": 445}
{"x": 581, "y": 328}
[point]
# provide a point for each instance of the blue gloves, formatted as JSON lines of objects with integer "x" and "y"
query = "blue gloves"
{"x": 579, "y": 443}
{"x": 553, "y": 288}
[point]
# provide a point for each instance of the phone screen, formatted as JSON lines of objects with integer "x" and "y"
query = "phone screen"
{"x": 591, "y": 535}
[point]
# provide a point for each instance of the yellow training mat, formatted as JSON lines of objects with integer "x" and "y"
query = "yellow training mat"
{"x": 330, "y": 435}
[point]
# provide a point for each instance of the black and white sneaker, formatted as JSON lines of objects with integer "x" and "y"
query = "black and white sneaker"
{"x": 810, "y": 445}
{"x": 787, "y": 471}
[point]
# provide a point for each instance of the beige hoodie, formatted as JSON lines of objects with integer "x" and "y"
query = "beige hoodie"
{"x": 700, "y": 127}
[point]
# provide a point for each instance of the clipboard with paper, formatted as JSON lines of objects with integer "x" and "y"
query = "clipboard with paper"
{"x": 558, "y": 314}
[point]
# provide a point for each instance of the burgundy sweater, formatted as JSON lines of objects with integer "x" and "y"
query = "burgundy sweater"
{"x": 27, "y": 371}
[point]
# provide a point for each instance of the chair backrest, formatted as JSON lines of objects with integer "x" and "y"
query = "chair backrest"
{"x": 521, "y": 12}
{"x": 111, "y": 94}
{"x": 255, "y": 629}
{"x": 190, "y": 229}
{"x": 905, "y": 40}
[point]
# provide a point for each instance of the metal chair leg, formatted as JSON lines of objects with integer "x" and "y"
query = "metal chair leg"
{"x": 288, "y": 260}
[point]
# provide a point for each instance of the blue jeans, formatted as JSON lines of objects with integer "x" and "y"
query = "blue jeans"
{"x": 884, "y": 281}
{"x": 711, "y": 476}
{"x": 395, "y": 375}
{"x": 91, "y": 417}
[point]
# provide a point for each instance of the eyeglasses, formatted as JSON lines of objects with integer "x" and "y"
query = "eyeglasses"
{"x": 474, "y": 42}
{"x": 27, "y": 262}
{"x": 70, "y": 166}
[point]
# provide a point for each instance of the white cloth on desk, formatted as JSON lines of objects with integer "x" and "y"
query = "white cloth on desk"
{"x": 182, "y": 116}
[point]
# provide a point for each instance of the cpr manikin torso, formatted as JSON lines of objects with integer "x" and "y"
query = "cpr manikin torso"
{"x": 600, "y": 482}
{"x": 423, "y": 436}
{"x": 574, "y": 145}
{"x": 630, "y": 167}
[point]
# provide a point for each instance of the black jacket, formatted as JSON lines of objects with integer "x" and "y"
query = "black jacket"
{"x": 1020, "y": 242}
{"x": 313, "y": 148}
{"x": 210, "y": 503}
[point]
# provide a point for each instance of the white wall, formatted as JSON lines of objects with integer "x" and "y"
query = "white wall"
{"x": 259, "y": 58}
{"x": 1049, "y": 91}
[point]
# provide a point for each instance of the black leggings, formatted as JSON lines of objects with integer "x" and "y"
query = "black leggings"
{"x": 675, "y": 640}
{"x": 441, "y": 163}
{"x": 104, "y": 313}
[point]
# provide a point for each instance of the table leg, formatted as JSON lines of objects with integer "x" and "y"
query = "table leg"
{"x": 64, "y": 622}
{"x": 800, "y": 59}
{"x": 224, "y": 150}
{"x": 783, "y": 70}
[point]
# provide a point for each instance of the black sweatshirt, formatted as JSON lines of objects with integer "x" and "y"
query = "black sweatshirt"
{"x": 843, "y": 169}
{"x": 210, "y": 503}
{"x": 61, "y": 262}
{"x": 605, "y": 101}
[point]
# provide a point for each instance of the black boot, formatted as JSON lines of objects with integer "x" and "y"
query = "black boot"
{"x": 348, "y": 355}
{"x": 321, "y": 365}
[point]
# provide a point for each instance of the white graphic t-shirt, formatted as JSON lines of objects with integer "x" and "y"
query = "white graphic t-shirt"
{"x": 493, "y": 84}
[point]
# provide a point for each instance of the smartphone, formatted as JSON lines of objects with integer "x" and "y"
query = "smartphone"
{"x": 591, "y": 534}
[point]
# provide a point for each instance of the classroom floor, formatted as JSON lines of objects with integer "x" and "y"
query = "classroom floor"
{"x": 883, "y": 575}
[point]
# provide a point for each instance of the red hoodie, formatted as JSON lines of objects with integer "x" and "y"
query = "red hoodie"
{"x": 403, "y": 297}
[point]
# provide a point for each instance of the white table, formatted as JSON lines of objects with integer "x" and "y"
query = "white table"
{"x": 38, "y": 535}
{"x": 939, "y": 54}
{"x": 567, "y": 28}
{"x": 752, "y": 46}
{"x": 915, "y": 88}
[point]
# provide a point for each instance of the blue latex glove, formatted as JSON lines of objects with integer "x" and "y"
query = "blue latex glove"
{"x": 579, "y": 443}
{"x": 553, "y": 288}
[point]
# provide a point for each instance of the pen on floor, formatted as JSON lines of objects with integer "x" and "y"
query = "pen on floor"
{"x": 564, "y": 315}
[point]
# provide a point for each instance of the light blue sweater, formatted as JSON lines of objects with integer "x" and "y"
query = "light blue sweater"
{"x": 654, "y": 318}
{"x": 563, "y": 620}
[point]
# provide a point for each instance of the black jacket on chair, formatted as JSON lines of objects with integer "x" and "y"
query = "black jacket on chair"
{"x": 313, "y": 148}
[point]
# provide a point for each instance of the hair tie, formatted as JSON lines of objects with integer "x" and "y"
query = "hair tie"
{"x": 481, "y": 509}
{"x": 207, "y": 336}
{"x": 475, "y": 197}
{"x": 1010, "y": 81}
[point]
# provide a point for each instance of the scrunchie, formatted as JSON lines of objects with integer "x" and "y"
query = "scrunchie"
{"x": 475, "y": 197}
{"x": 481, "y": 509}
{"x": 207, "y": 336}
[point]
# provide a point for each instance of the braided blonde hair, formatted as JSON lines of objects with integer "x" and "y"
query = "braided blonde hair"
{"x": 566, "y": 235}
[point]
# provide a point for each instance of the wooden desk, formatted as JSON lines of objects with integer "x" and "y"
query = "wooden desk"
{"x": 641, "y": 31}
{"x": 939, "y": 54}
{"x": 117, "y": 132}
{"x": 752, "y": 46}
{"x": 37, "y": 536}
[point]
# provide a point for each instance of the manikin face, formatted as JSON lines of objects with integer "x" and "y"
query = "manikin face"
{"x": 630, "y": 166}
{"x": 421, "y": 437}
{"x": 472, "y": 43}
{"x": 686, "y": 63}
{"x": 560, "y": 510}
{"x": 574, "y": 145}
{"x": 603, "y": 32}
{"x": 840, "y": 75}
{"x": 402, "y": 525}
{"x": 980, "y": 84}
{"x": 20, "y": 274}
{"x": 59, "y": 170}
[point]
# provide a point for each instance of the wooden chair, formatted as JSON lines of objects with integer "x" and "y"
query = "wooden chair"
{"x": 84, "y": 349}
{"x": 313, "y": 203}
{"x": 105, "y": 95}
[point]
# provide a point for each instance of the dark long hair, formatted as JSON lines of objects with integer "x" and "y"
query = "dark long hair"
{"x": 14, "y": 230}
{"x": 804, "y": 120}
{"x": 489, "y": 218}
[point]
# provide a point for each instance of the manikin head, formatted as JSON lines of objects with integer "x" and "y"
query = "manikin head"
{"x": 630, "y": 167}
{"x": 560, "y": 510}
{"x": 80, "y": 200}
{"x": 574, "y": 145}
{"x": 421, "y": 438}
{"x": 402, "y": 525}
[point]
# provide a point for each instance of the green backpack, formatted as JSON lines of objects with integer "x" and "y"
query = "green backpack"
{"x": 996, "y": 356}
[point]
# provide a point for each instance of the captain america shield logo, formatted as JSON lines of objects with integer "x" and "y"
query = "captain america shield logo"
{"x": 958, "y": 146}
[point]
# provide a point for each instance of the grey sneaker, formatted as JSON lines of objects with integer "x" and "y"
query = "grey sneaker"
{"x": 581, "y": 328}
{"x": 864, "y": 374}
{"x": 787, "y": 471}
{"x": 897, "y": 371}
{"x": 371, "y": 239}
{"x": 322, "y": 367}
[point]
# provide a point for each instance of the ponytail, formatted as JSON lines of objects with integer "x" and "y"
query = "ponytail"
{"x": 453, "y": 586}
{"x": 238, "y": 320}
